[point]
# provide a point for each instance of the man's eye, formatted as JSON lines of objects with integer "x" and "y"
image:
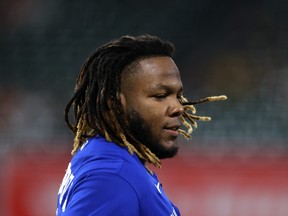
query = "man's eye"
{"x": 160, "y": 96}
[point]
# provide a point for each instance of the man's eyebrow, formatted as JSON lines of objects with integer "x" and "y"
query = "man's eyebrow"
{"x": 166, "y": 87}
{"x": 161, "y": 86}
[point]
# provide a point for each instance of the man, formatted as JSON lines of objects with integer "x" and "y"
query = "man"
{"x": 128, "y": 108}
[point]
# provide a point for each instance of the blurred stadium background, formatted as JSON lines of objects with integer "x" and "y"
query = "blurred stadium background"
{"x": 236, "y": 165}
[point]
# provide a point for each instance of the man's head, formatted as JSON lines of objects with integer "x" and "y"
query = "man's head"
{"x": 107, "y": 101}
{"x": 130, "y": 91}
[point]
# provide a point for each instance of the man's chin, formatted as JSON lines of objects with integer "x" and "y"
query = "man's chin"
{"x": 169, "y": 152}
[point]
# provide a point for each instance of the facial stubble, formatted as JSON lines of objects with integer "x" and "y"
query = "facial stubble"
{"x": 142, "y": 131}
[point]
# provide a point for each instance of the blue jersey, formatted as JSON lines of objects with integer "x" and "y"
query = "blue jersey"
{"x": 105, "y": 179}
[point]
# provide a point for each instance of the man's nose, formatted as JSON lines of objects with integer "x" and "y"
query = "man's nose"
{"x": 176, "y": 108}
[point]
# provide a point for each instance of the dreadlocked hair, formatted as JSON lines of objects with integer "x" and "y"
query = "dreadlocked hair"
{"x": 96, "y": 104}
{"x": 190, "y": 111}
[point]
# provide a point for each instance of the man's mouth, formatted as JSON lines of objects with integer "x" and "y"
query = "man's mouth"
{"x": 172, "y": 130}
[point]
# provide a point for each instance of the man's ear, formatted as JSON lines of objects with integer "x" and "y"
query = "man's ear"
{"x": 123, "y": 101}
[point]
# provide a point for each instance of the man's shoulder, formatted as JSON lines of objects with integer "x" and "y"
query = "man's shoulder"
{"x": 98, "y": 155}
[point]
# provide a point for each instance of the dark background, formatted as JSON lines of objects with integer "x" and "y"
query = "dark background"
{"x": 237, "y": 48}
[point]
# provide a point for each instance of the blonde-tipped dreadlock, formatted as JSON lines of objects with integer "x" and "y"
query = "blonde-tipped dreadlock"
{"x": 192, "y": 118}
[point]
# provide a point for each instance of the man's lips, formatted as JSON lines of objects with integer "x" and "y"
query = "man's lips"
{"x": 172, "y": 130}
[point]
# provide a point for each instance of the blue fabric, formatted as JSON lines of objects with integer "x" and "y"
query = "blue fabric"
{"x": 104, "y": 179}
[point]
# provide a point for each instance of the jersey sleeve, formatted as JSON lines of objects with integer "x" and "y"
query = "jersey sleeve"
{"x": 102, "y": 194}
